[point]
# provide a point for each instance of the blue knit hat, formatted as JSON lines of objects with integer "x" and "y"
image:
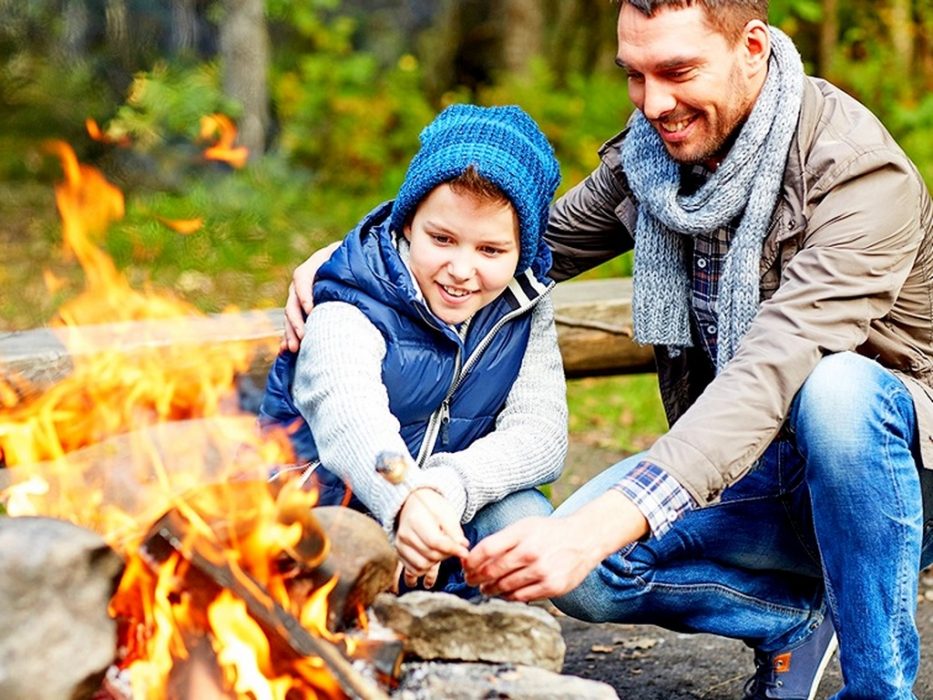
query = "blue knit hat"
{"x": 505, "y": 146}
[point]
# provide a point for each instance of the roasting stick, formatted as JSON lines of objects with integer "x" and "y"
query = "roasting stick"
{"x": 393, "y": 467}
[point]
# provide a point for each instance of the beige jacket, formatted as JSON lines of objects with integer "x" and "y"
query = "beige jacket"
{"x": 847, "y": 265}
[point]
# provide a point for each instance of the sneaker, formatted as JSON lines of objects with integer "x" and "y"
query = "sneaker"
{"x": 794, "y": 673}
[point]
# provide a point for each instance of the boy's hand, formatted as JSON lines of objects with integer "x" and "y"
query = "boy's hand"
{"x": 300, "y": 298}
{"x": 428, "y": 532}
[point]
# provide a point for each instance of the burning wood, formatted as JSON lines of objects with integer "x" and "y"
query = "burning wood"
{"x": 172, "y": 534}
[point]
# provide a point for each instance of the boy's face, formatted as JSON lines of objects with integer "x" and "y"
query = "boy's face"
{"x": 463, "y": 251}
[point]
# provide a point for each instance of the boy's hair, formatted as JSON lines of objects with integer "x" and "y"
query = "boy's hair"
{"x": 727, "y": 17}
{"x": 482, "y": 189}
{"x": 503, "y": 146}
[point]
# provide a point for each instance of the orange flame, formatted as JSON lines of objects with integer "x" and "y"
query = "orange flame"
{"x": 123, "y": 439}
{"x": 223, "y": 150}
{"x": 183, "y": 226}
{"x": 96, "y": 133}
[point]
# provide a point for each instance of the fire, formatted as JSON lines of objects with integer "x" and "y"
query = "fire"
{"x": 220, "y": 125}
{"x": 122, "y": 441}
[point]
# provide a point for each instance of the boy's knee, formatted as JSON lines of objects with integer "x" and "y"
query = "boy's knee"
{"x": 525, "y": 503}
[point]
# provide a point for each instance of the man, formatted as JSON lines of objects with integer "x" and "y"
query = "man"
{"x": 783, "y": 273}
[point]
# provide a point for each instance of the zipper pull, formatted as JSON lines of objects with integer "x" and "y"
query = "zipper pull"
{"x": 445, "y": 423}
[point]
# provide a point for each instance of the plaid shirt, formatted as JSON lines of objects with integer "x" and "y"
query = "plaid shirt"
{"x": 660, "y": 498}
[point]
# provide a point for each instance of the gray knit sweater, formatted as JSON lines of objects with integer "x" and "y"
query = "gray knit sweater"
{"x": 338, "y": 389}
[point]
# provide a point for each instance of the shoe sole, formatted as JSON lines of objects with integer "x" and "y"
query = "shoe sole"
{"x": 824, "y": 662}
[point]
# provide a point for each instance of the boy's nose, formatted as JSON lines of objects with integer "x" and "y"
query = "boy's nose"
{"x": 461, "y": 266}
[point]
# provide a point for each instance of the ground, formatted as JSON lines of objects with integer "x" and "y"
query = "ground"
{"x": 643, "y": 662}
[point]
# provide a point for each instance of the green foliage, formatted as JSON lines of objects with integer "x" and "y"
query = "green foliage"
{"x": 342, "y": 116}
{"x": 167, "y": 102}
{"x": 574, "y": 122}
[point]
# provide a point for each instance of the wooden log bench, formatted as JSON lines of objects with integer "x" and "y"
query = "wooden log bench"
{"x": 593, "y": 321}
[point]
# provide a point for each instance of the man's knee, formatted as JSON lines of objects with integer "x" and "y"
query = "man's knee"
{"x": 845, "y": 398}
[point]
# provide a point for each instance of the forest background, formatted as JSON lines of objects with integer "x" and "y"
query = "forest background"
{"x": 329, "y": 97}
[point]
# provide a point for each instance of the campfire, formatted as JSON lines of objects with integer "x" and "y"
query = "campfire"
{"x": 224, "y": 592}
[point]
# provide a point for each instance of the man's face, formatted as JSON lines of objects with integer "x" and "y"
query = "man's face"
{"x": 688, "y": 80}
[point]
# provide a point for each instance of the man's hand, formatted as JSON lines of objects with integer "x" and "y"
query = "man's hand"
{"x": 428, "y": 532}
{"x": 545, "y": 557}
{"x": 300, "y": 299}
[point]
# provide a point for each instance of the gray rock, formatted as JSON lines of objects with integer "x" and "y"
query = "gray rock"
{"x": 442, "y": 626}
{"x": 56, "y": 580}
{"x": 471, "y": 681}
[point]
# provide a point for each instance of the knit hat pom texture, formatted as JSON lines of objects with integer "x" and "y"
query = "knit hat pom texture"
{"x": 505, "y": 146}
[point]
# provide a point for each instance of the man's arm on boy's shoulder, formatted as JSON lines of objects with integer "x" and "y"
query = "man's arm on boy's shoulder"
{"x": 300, "y": 297}
{"x": 529, "y": 442}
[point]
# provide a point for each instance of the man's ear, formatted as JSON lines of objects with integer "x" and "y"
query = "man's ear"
{"x": 756, "y": 40}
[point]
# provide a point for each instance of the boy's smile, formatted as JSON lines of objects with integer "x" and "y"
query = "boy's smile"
{"x": 464, "y": 251}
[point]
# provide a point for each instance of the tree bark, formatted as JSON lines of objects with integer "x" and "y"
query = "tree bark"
{"x": 829, "y": 37}
{"x": 184, "y": 26}
{"x": 244, "y": 49}
{"x": 521, "y": 35}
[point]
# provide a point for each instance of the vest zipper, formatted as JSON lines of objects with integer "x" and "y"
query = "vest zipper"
{"x": 440, "y": 419}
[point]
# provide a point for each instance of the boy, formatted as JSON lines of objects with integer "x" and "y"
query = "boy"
{"x": 434, "y": 339}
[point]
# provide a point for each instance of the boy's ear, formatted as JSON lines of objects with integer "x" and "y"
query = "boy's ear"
{"x": 406, "y": 231}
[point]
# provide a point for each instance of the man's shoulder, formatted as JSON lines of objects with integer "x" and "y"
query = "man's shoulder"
{"x": 839, "y": 138}
{"x": 835, "y": 126}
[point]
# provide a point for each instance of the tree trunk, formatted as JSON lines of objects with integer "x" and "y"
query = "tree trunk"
{"x": 902, "y": 40}
{"x": 829, "y": 37}
{"x": 521, "y": 36}
{"x": 244, "y": 49}
{"x": 184, "y": 26}
{"x": 75, "y": 23}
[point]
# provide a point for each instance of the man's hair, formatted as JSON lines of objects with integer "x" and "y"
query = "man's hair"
{"x": 482, "y": 189}
{"x": 728, "y": 17}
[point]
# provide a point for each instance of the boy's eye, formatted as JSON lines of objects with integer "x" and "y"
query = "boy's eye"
{"x": 440, "y": 238}
{"x": 491, "y": 251}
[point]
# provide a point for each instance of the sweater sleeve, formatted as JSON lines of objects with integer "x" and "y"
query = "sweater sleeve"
{"x": 529, "y": 442}
{"x": 339, "y": 390}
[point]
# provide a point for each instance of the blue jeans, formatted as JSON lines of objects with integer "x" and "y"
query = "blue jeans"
{"x": 827, "y": 521}
{"x": 489, "y": 519}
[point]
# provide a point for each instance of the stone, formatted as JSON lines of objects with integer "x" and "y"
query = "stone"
{"x": 475, "y": 681}
{"x": 443, "y": 626}
{"x": 360, "y": 556}
{"x": 56, "y": 581}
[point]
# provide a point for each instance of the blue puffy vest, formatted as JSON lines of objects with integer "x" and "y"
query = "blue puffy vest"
{"x": 445, "y": 392}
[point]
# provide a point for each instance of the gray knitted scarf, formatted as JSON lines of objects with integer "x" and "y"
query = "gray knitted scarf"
{"x": 748, "y": 178}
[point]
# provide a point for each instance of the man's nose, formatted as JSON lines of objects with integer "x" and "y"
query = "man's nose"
{"x": 659, "y": 100}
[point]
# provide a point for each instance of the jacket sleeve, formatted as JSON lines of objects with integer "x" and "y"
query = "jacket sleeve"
{"x": 339, "y": 390}
{"x": 590, "y": 223}
{"x": 861, "y": 240}
{"x": 529, "y": 443}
